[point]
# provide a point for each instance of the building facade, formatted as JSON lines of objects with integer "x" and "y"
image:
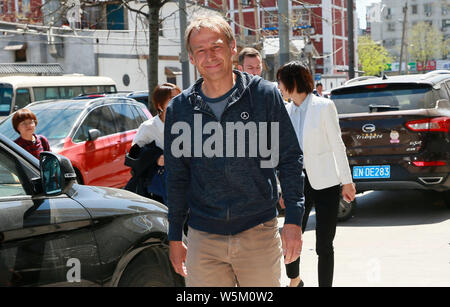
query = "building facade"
{"x": 27, "y": 11}
{"x": 105, "y": 40}
{"x": 385, "y": 20}
{"x": 323, "y": 23}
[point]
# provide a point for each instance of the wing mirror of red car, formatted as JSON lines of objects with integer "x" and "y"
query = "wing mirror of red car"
{"x": 94, "y": 134}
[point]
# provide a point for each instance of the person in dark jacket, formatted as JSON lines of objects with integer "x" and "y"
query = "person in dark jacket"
{"x": 224, "y": 138}
{"x": 146, "y": 154}
{"x": 24, "y": 121}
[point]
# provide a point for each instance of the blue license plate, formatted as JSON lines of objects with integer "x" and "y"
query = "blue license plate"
{"x": 371, "y": 171}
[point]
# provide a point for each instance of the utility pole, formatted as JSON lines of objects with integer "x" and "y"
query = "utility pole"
{"x": 351, "y": 40}
{"x": 184, "y": 54}
{"x": 405, "y": 17}
{"x": 283, "y": 30}
{"x": 241, "y": 24}
{"x": 256, "y": 13}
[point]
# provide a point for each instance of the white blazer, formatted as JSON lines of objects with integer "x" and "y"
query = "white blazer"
{"x": 325, "y": 158}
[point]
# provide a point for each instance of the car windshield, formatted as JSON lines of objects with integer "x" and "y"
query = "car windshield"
{"x": 6, "y": 92}
{"x": 54, "y": 124}
{"x": 381, "y": 97}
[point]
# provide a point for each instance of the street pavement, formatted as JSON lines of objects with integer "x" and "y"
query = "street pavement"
{"x": 395, "y": 239}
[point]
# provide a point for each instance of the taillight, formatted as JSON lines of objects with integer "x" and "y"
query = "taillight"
{"x": 376, "y": 86}
{"x": 429, "y": 163}
{"x": 437, "y": 124}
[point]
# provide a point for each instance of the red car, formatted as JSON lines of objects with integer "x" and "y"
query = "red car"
{"x": 94, "y": 134}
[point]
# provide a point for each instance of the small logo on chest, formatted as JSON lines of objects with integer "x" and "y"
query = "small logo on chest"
{"x": 245, "y": 115}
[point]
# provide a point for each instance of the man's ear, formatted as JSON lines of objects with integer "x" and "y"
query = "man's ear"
{"x": 191, "y": 59}
{"x": 240, "y": 68}
{"x": 233, "y": 47}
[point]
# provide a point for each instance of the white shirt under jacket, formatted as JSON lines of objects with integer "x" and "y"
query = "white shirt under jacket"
{"x": 149, "y": 131}
{"x": 325, "y": 158}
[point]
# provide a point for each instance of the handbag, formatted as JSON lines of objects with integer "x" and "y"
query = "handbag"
{"x": 157, "y": 184}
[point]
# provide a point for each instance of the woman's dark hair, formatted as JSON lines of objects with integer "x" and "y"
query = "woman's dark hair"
{"x": 162, "y": 93}
{"x": 296, "y": 76}
{"x": 22, "y": 115}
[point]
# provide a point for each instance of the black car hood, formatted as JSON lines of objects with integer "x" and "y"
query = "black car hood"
{"x": 103, "y": 201}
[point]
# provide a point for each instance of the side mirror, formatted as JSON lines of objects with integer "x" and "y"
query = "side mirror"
{"x": 442, "y": 103}
{"x": 57, "y": 173}
{"x": 94, "y": 134}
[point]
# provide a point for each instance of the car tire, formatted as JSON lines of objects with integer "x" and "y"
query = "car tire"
{"x": 151, "y": 268}
{"x": 346, "y": 210}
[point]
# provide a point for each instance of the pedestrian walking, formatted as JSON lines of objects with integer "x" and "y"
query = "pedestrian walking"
{"x": 24, "y": 122}
{"x": 229, "y": 189}
{"x": 146, "y": 154}
{"x": 316, "y": 124}
{"x": 250, "y": 61}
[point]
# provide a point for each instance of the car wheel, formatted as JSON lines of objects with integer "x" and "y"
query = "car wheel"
{"x": 151, "y": 268}
{"x": 346, "y": 210}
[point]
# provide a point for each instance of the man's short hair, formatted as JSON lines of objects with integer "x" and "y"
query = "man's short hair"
{"x": 212, "y": 22}
{"x": 250, "y": 52}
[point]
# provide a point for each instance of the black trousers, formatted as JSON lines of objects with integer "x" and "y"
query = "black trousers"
{"x": 326, "y": 203}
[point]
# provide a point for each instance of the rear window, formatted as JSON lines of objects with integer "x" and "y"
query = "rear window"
{"x": 393, "y": 97}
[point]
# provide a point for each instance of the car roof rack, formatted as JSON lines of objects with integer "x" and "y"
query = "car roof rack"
{"x": 362, "y": 78}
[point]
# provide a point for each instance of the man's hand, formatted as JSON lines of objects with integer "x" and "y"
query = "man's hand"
{"x": 348, "y": 192}
{"x": 160, "y": 160}
{"x": 177, "y": 256}
{"x": 281, "y": 201}
{"x": 291, "y": 240}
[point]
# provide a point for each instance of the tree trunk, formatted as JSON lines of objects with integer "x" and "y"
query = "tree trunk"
{"x": 153, "y": 50}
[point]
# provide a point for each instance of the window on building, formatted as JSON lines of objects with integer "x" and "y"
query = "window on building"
{"x": 391, "y": 26}
{"x": 414, "y": 9}
{"x": 445, "y": 8}
{"x": 428, "y": 9}
{"x": 445, "y": 23}
{"x": 115, "y": 17}
{"x": 20, "y": 55}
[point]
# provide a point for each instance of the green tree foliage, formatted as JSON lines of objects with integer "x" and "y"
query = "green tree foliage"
{"x": 373, "y": 58}
{"x": 426, "y": 43}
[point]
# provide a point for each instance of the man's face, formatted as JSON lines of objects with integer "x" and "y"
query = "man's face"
{"x": 211, "y": 53}
{"x": 252, "y": 65}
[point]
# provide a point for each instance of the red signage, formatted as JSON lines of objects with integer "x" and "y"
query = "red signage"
{"x": 430, "y": 65}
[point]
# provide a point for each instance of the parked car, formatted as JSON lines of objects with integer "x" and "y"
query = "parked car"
{"x": 55, "y": 232}
{"x": 94, "y": 133}
{"x": 141, "y": 96}
{"x": 396, "y": 130}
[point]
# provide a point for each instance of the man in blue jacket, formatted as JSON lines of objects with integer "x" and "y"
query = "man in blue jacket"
{"x": 224, "y": 138}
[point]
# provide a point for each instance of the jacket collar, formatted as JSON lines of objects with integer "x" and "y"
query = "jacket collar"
{"x": 243, "y": 82}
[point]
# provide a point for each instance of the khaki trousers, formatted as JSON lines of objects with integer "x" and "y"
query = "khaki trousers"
{"x": 252, "y": 258}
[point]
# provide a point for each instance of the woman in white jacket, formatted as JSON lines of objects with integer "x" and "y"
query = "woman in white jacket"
{"x": 153, "y": 130}
{"x": 326, "y": 167}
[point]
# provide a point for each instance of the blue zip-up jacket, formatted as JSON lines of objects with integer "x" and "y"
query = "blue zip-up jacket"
{"x": 228, "y": 191}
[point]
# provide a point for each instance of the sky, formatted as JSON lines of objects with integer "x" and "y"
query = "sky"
{"x": 361, "y": 11}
